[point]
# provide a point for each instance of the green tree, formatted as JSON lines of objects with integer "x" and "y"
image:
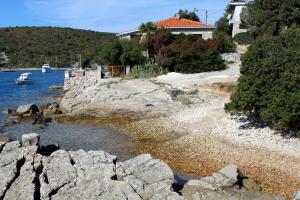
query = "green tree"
{"x": 269, "y": 88}
{"x": 185, "y": 14}
{"x": 271, "y": 17}
{"x": 121, "y": 52}
{"x": 147, "y": 27}
{"x": 110, "y": 53}
{"x": 132, "y": 53}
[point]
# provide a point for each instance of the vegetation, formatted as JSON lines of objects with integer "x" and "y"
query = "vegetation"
{"x": 33, "y": 46}
{"x": 223, "y": 31}
{"x": 227, "y": 87}
{"x": 147, "y": 27}
{"x": 121, "y": 52}
{"x": 187, "y": 54}
{"x": 148, "y": 70}
{"x": 185, "y": 14}
{"x": 269, "y": 87}
{"x": 244, "y": 38}
{"x": 271, "y": 17}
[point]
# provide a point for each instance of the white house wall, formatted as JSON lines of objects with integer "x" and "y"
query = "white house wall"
{"x": 206, "y": 33}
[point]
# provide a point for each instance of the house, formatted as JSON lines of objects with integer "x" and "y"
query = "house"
{"x": 235, "y": 18}
{"x": 176, "y": 25}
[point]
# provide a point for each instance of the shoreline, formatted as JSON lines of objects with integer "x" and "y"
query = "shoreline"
{"x": 29, "y": 69}
{"x": 174, "y": 114}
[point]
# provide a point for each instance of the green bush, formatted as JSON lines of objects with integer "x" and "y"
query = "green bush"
{"x": 244, "y": 38}
{"x": 148, "y": 70}
{"x": 226, "y": 41}
{"x": 191, "y": 56}
{"x": 269, "y": 88}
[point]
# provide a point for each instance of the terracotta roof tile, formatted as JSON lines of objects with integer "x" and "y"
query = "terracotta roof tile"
{"x": 177, "y": 22}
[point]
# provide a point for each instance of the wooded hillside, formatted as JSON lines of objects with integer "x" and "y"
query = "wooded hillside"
{"x": 33, "y": 46}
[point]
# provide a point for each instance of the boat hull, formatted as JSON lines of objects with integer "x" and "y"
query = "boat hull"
{"x": 23, "y": 82}
{"x": 46, "y": 70}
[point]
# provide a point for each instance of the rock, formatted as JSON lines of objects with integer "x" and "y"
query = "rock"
{"x": 251, "y": 185}
{"x": 3, "y": 139}
{"x": 297, "y": 196}
{"x": 56, "y": 88}
{"x": 150, "y": 178}
{"x": 9, "y": 111}
{"x": 219, "y": 181}
{"x": 11, "y": 159}
{"x": 29, "y": 108}
{"x": 53, "y": 105}
{"x": 31, "y": 139}
{"x": 222, "y": 186}
{"x": 227, "y": 176}
{"x": 23, "y": 187}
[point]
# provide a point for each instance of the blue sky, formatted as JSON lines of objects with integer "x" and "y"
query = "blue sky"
{"x": 101, "y": 15}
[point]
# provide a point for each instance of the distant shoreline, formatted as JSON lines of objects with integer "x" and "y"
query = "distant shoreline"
{"x": 30, "y": 69}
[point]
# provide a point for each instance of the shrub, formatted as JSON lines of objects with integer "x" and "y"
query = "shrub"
{"x": 269, "y": 87}
{"x": 187, "y": 56}
{"x": 226, "y": 41}
{"x": 244, "y": 38}
{"x": 148, "y": 70}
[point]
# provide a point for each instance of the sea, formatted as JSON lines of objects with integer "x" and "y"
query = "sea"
{"x": 70, "y": 137}
{"x": 67, "y": 136}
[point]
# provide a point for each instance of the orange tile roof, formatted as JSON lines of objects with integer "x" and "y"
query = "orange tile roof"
{"x": 180, "y": 23}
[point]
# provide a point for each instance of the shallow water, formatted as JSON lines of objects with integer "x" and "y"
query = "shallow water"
{"x": 75, "y": 137}
{"x": 13, "y": 95}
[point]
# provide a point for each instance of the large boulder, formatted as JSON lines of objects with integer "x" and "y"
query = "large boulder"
{"x": 29, "y": 108}
{"x": 31, "y": 139}
{"x": 150, "y": 178}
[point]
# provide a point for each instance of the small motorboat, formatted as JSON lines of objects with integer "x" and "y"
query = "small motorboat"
{"x": 46, "y": 68}
{"x": 24, "y": 79}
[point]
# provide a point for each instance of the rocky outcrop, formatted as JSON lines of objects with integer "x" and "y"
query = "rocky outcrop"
{"x": 27, "y": 174}
{"x": 223, "y": 185}
{"x": 29, "y": 108}
{"x": 31, "y": 172}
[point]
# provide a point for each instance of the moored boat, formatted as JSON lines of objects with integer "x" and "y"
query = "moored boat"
{"x": 46, "y": 68}
{"x": 24, "y": 79}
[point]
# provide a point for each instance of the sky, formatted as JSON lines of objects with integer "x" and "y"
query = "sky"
{"x": 101, "y": 15}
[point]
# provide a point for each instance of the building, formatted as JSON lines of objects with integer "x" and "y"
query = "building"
{"x": 235, "y": 18}
{"x": 176, "y": 25}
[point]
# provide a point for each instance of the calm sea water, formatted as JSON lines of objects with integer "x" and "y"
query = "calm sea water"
{"x": 13, "y": 95}
{"x": 71, "y": 137}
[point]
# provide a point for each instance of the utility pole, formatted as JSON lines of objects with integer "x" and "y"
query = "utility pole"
{"x": 206, "y": 16}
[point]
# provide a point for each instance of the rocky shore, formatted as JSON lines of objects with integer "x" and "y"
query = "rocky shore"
{"x": 183, "y": 123}
{"x": 30, "y": 172}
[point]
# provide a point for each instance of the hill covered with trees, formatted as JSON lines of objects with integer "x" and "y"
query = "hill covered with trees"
{"x": 33, "y": 46}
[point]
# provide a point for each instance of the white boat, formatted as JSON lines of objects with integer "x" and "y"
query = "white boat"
{"x": 24, "y": 79}
{"x": 46, "y": 68}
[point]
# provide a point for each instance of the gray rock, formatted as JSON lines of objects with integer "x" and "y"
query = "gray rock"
{"x": 251, "y": 185}
{"x": 222, "y": 186}
{"x": 31, "y": 139}
{"x": 23, "y": 187}
{"x": 11, "y": 159}
{"x": 297, "y": 196}
{"x": 59, "y": 172}
{"x": 32, "y": 108}
{"x": 150, "y": 178}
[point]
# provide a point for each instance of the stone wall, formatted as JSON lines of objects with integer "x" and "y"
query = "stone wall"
{"x": 90, "y": 77}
